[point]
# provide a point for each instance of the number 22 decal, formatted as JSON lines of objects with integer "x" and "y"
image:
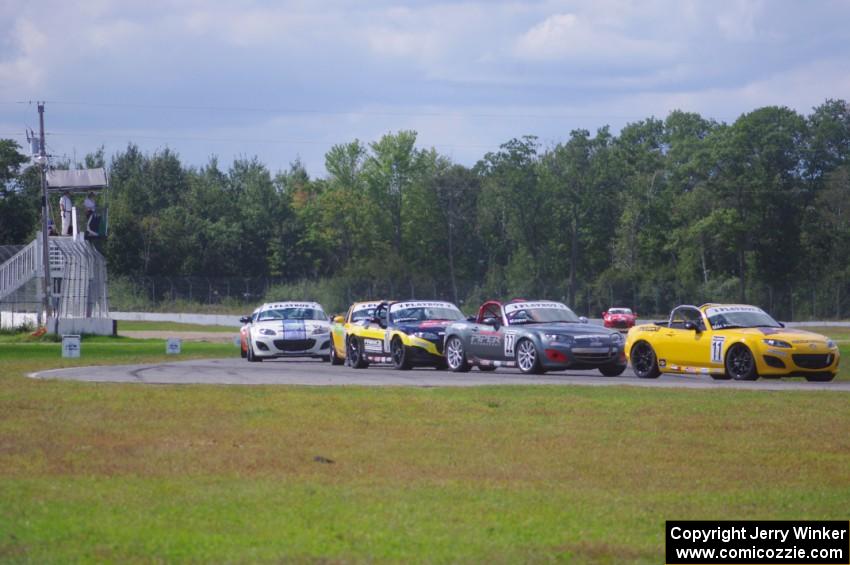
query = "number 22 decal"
{"x": 717, "y": 348}
{"x": 510, "y": 339}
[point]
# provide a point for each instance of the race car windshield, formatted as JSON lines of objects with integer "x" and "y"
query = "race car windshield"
{"x": 364, "y": 314}
{"x": 542, "y": 315}
{"x": 619, "y": 311}
{"x": 292, "y": 314}
{"x": 749, "y": 319}
{"x": 420, "y": 314}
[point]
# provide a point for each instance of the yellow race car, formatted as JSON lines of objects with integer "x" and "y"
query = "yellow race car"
{"x": 358, "y": 314}
{"x": 729, "y": 341}
{"x": 404, "y": 333}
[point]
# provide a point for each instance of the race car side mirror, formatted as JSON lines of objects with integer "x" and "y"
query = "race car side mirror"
{"x": 491, "y": 321}
{"x": 471, "y": 318}
{"x": 245, "y": 319}
{"x": 582, "y": 319}
{"x": 691, "y": 326}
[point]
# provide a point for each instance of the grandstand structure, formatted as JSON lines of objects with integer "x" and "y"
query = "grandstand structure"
{"x": 77, "y": 300}
{"x": 77, "y": 286}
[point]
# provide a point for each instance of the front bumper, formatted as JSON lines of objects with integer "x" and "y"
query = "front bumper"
{"x": 558, "y": 356}
{"x": 797, "y": 363}
{"x": 317, "y": 345}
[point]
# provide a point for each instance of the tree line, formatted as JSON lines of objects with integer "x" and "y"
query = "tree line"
{"x": 680, "y": 210}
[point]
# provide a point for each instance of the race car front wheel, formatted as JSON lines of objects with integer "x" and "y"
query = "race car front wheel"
{"x": 355, "y": 354}
{"x": 527, "y": 358}
{"x": 644, "y": 363}
{"x": 456, "y": 356}
{"x": 401, "y": 359}
{"x": 334, "y": 359}
{"x": 740, "y": 364}
{"x": 252, "y": 358}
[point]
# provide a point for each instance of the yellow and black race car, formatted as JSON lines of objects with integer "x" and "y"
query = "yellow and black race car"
{"x": 358, "y": 313}
{"x": 406, "y": 333}
{"x": 729, "y": 341}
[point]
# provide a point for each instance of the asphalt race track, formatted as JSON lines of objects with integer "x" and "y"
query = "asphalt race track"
{"x": 236, "y": 371}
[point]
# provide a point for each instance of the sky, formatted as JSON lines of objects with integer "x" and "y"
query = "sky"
{"x": 287, "y": 80}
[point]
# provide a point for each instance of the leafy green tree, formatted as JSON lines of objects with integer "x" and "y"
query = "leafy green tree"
{"x": 759, "y": 163}
{"x": 456, "y": 191}
{"x": 19, "y": 207}
{"x": 641, "y": 238}
{"x": 581, "y": 197}
{"x": 513, "y": 213}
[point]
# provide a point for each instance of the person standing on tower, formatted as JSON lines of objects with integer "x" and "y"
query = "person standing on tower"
{"x": 65, "y": 206}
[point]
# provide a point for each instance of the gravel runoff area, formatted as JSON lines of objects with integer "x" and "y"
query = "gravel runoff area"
{"x": 313, "y": 372}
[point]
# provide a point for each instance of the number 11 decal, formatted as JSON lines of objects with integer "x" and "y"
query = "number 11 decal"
{"x": 510, "y": 338}
{"x": 717, "y": 348}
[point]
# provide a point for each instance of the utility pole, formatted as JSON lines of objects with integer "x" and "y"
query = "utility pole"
{"x": 42, "y": 160}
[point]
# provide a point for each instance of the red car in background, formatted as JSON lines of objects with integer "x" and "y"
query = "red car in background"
{"x": 619, "y": 318}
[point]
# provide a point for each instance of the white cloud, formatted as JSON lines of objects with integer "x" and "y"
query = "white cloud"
{"x": 568, "y": 36}
{"x": 26, "y": 68}
{"x": 583, "y": 63}
{"x": 258, "y": 27}
{"x": 113, "y": 33}
{"x": 737, "y": 20}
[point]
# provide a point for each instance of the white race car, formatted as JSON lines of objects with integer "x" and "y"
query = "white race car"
{"x": 286, "y": 329}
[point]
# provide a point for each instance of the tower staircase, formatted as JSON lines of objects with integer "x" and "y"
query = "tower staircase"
{"x": 77, "y": 283}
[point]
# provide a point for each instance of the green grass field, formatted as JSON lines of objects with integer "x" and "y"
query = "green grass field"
{"x": 130, "y": 473}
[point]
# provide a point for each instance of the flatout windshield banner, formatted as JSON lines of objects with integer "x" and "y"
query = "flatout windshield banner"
{"x": 282, "y": 305}
{"x": 515, "y": 306}
{"x": 744, "y": 542}
{"x": 714, "y": 310}
{"x": 366, "y": 306}
{"x": 421, "y": 304}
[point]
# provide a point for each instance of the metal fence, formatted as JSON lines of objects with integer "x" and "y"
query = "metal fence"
{"x": 203, "y": 290}
{"x": 160, "y": 294}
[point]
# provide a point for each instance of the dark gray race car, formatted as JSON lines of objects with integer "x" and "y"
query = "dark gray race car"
{"x": 535, "y": 336}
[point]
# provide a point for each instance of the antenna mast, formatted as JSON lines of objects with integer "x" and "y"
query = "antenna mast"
{"x": 41, "y": 159}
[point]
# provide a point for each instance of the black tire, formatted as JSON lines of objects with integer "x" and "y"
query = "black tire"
{"x": 719, "y": 377}
{"x": 612, "y": 370}
{"x": 527, "y": 357}
{"x": 486, "y": 369}
{"x": 644, "y": 362}
{"x": 355, "y": 354}
{"x": 820, "y": 378}
{"x": 456, "y": 355}
{"x": 251, "y": 356}
{"x": 400, "y": 355}
{"x": 334, "y": 359}
{"x": 740, "y": 363}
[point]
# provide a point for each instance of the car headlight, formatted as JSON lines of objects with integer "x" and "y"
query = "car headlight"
{"x": 425, "y": 335}
{"x": 266, "y": 331}
{"x": 617, "y": 338}
{"x": 831, "y": 344}
{"x": 777, "y": 343}
{"x": 560, "y": 338}
{"x": 320, "y": 330}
